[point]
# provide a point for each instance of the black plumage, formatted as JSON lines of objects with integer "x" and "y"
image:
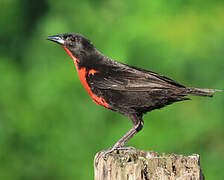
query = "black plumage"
{"x": 128, "y": 90}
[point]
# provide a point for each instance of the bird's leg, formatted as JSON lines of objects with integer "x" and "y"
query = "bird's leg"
{"x": 137, "y": 126}
{"x": 122, "y": 141}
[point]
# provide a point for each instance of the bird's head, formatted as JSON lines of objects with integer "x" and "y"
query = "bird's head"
{"x": 75, "y": 43}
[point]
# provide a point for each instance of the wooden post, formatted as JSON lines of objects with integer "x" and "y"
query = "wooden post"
{"x": 144, "y": 165}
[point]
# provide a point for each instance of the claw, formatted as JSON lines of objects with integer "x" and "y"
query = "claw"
{"x": 104, "y": 153}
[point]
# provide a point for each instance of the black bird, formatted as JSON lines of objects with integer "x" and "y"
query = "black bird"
{"x": 126, "y": 89}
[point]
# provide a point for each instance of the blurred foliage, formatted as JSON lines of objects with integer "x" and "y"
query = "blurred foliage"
{"x": 50, "y": 129}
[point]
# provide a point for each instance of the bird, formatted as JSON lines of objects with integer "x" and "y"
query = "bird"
{"x": 123, "y": 88}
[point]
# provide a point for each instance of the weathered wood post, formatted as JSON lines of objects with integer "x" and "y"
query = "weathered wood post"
{"x": 144, "y": 165}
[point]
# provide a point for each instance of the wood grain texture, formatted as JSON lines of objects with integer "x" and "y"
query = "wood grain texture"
{"x": 144, "y": 165}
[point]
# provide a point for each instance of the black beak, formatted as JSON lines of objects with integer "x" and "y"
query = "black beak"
{"x": 58, "y": 39}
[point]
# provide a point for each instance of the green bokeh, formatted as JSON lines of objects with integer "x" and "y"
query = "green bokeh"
{"x": 49, "y": 126}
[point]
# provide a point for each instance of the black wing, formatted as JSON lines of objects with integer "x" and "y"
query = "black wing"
{"x": 118, "y": 76}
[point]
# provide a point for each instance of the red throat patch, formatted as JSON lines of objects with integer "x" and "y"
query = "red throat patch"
{"x": 82, "y": 76}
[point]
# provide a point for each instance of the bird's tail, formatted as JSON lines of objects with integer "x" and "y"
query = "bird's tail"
{"x": 202, "y": 92}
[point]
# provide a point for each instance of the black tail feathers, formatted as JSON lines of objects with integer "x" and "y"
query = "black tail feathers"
{"x": 202, "y": 92}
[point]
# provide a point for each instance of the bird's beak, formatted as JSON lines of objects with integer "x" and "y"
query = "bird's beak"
{"x": 58, "y": 39}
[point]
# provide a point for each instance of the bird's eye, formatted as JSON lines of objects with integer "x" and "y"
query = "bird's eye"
{"x": 65, "y": 37}
{"x": 73, "y": 39}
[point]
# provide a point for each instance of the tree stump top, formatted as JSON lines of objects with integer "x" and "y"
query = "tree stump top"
{"x": 144, "y": 165}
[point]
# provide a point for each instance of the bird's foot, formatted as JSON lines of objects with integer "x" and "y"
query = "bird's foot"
{"x": 126, "y": 148}
{"x": 110, "y": 150}
{"x": 104, "y": 153}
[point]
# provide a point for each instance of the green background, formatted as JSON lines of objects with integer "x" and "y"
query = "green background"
{"x": 49, "y": 126}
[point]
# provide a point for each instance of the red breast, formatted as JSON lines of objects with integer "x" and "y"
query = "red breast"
{"x": 82, "y": 76}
